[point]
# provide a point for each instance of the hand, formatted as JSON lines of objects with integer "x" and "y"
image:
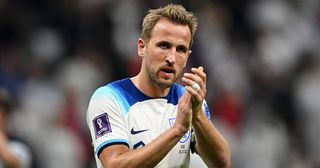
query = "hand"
{"x": 197, "y": 76}
{"x": 184, "y": 114}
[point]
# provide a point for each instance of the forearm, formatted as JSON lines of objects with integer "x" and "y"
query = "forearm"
{"x": 149, "y": 155}
{"x": 210, "y": 144}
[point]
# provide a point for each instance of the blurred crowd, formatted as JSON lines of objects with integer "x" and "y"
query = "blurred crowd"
{"x": 262, "y": 59}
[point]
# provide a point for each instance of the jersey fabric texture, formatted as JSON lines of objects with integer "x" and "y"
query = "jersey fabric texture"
{"x": 119, "y": 113}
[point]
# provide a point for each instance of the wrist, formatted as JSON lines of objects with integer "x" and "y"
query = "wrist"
{"x": 198, "y": 116}
{"x": 179, "y": 131}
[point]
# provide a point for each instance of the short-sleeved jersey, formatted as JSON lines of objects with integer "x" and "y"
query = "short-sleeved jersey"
{"x": 119, "y": 113}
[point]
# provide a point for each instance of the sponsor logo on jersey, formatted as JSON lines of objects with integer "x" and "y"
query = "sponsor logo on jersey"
{"x": 101, "y": 125}
{"x": 133, "y": 132}
{"x": 185, "y": 137}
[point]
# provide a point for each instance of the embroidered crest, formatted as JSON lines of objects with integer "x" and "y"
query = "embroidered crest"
{"x": 185, "y": 137}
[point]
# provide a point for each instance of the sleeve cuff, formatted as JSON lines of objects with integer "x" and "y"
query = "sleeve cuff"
{"x": 109, "y": 143}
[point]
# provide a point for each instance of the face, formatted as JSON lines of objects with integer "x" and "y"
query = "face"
{"x": 166, "y": 53}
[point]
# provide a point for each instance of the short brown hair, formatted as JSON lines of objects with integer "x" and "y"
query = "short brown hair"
{"x": 175, "y": 13}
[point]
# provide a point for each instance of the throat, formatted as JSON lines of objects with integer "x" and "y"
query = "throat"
{"x": 149, "y": 88}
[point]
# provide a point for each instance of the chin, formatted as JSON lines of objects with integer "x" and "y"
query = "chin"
{"x": 162, "y": 82}
{"x": 166, "y": 83}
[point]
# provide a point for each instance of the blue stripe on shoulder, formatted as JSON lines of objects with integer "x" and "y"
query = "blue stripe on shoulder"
{"x": 130, "y": 91}
{"x": 176, "y": 91}
{"x": 181, "y": 90}
{"x": 121, "y": 97}
{"x": 113, "y": 92}
{"x": 126, "y": 94}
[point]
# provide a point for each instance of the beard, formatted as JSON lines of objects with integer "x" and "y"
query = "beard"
{"x": 158, "y": 81}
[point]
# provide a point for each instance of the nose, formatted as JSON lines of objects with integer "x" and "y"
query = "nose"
{"x": 171, "y": 56}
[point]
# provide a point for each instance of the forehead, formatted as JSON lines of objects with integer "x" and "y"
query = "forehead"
{"x": 165, "y": 30}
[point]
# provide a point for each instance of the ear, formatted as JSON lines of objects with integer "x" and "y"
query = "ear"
{"x": 141, "y": 47}
{"x": 189, "y": 54}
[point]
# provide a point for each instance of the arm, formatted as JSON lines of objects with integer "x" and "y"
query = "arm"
{"x": 8, "y": 157}
{"x": 147, "y": 156}
{"x": 117, "y": 156}
{"x": 210, "y": 145}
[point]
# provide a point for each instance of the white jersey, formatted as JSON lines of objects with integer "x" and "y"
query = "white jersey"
{"x": 119, "y": 113}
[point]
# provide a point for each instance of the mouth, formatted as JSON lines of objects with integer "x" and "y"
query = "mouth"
{"x": 167, "y": 72}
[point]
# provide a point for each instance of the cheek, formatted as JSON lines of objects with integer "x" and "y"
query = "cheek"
{"x": 180, "y": 66}
{"x": 182, "y": 61}
{"x": 156, "y": 56}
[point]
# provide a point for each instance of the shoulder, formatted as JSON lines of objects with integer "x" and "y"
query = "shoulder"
{"x": 111, "y": 97}
{"x": 178, "y": 89}
{"x": 116, "y": 87}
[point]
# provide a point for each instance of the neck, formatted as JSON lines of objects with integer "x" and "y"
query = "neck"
{"x": 147, "y": 87}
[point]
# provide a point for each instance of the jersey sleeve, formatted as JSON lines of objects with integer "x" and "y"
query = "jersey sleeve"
{"x": 206, "y": 110}
{"x": 105, "y": 120}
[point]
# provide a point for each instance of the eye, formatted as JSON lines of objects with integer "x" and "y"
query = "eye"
{"x": 164, "y": 45}
{"x": 181, "y": 49}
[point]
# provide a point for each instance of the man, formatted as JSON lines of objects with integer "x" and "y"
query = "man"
{"x": 13, "y": 153}
{"x": 146, "y": 120}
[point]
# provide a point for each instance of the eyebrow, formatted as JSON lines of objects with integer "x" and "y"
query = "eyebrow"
{"x": 170, "y": 44}
{"x": 164, "y": 42}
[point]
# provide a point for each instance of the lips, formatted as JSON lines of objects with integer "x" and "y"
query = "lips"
{"x": 167, "y": 72}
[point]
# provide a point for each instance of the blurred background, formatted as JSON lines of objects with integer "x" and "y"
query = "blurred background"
{"x": 262, "y": 59}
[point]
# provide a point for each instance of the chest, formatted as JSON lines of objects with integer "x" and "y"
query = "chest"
{"x": 148, "y": 120}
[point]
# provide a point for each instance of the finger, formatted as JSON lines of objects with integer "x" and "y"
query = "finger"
{"x": 185, "y": 98}
{"x": 200, "y": 68}
{"x": 190, "y": 79}
{"x": 194, "y": 93}
{"x": 190, "y": 82}
{"x": 200, "y": 72}
{"x": 193, "y": 77}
